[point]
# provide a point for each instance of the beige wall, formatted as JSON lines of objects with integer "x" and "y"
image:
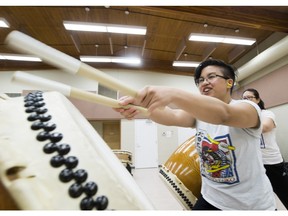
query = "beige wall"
{"x": 281, "y": 113}
{"x": 273, "y": 87}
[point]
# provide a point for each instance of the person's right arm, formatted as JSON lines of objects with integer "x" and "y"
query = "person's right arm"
{"x": 192, "y": 106}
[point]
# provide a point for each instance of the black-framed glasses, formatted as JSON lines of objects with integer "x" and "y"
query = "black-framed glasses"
{"x": 248, "y": 97}
{"x": 209, "y": 78}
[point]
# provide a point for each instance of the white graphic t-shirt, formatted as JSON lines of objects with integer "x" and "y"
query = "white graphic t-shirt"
{"x": 233, "y": 175}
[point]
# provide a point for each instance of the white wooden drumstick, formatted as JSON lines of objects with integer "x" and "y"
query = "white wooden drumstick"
{"x": 26, "y": 44}
{"x": 69, "y": 91}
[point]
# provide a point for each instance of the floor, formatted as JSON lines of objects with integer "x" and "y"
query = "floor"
{"x": 156, "y": 190}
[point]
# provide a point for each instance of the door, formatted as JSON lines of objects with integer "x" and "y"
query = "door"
{"x": 146, "y": 149}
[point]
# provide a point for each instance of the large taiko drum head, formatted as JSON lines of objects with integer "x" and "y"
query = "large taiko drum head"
{"x": 51, "y": 158}
{"x": 181, "y": 172}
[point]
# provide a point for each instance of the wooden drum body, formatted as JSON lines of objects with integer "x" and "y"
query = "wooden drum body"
{"x": 182, "y": 175}
{"x": 125, "y": 157}
{"x": 51, "y": 158}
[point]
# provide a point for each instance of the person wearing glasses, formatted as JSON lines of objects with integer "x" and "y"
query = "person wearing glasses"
{"x": 227, "y": 136}
{"x": 271, "y": 155}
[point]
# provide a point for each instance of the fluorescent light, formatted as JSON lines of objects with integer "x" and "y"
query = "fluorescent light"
{"x": 221, "y": 39}
{"x": 79, "y": 26}
{"x": 240, "y": 41}
{"x": 185, "y": 64}
{"x": 108, "y": 59}
{"x": 127, "y": 30}
{"x": 16, "y": 57}
{"x": 126, "y": 60}
{"x": 95, "y": 59}
{"x": 100, "y": 27}
{"x": 4, "y": 23}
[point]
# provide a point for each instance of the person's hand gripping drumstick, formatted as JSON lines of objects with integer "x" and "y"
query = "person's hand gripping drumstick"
{"x": 153, "y": 98}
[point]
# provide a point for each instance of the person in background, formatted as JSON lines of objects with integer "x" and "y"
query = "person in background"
{"x": 227, "y": 136}
{"x": 271, "y": 155}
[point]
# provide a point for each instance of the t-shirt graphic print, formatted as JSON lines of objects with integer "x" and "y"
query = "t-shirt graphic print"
{"x": 217, "y": 158}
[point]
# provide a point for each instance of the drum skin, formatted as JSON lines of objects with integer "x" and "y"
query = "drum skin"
{"x": 51, "y": 158}
{"x": 181, "y": 172}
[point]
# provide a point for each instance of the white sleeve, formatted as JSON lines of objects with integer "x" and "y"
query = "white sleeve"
{"x": 269, "y": 114}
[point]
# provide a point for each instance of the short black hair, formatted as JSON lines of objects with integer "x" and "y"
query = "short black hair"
{"x": 227, "y": 70}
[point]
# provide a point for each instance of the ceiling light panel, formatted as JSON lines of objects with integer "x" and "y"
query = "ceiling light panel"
{"x": 100, "y": 27}
{"x": 16, "y": 57}
{"x": 221, "y": 39}
{"x": 84, "y": 27}
{"x": 185, "y": 64}
{"x": 4, "y": 23}
{"x": 111, "y": 59}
